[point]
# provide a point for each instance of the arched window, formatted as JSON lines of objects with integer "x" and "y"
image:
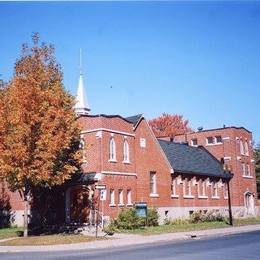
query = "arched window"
{"x": 126, "y": 151}
{"x": 241, "y": 147}
{"x": 112, "y": 150}
{"x": 246, "y": 149}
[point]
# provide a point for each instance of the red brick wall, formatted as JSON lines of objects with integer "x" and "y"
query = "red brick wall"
{"x": 8, "y": 198}
{"x": 151, "y": 158}
{"x": 230, "y": 148}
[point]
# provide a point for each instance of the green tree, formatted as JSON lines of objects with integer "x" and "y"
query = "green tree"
{"x": 39, "y": 134}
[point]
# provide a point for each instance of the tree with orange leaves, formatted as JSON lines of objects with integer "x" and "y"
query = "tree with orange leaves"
{"x": 39, "y": 134}
{"x": 168, "y": 125}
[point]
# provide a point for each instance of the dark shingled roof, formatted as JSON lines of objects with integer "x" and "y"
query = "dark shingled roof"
{"x": 192, "y": 160}
{"x": 134, "y": 119}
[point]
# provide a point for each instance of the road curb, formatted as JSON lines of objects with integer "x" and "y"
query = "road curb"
{"x": 129, "y": 240}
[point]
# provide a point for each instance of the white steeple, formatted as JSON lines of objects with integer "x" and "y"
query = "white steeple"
{"x": 82, "y": 106}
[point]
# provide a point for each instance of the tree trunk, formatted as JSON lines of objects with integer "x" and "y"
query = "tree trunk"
{"x": 26, "y": 205}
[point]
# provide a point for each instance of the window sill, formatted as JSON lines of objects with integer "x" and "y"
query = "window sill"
{"x": 188, "y": 197}
{"x": 214, "y": 144}
{"x": 248, "y": 177}
{"x": 215, "y": 198}
{"x": 174, "y": 196}
{"x": 225, "y": 198}
{"x": 112, "y": 205}
{"x": 112, "y": 161}
{"x": 126, "y": 162}
{"x": 203, "y": 197}
{"x": 121, "y": 205}
{"x": 154, "y": 195}
{"x": 129, "y": 205}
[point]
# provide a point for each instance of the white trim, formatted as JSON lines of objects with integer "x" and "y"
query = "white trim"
{"x": 174, "y": 196}
{"x": 126, "y": 162}
{"x": 247, "y": 176}
{"x": 188, "y": 196}
{"x": 141, "y": 117}
{"x": 112, "y": 160}
{"x": 119, "y": 173}
{"x": 226, "y": 138}
{"x": 121, "y": 205}
{"x": 154, "y": 195}
{"x": 203, "y": 197}
{"x": 112, "y": 205}
{"x": 106, "y": 130}
{"x": 130, "y": 205}
{"x": 215, "y": 197}
{"x": 227, "y": 158}
{"x": 214, "y": 144}
{"x": 252, "y": 160}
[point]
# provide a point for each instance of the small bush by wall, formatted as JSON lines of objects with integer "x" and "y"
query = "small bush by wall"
{"x": 128, "y": 219}
{"x": 210, "y": 216}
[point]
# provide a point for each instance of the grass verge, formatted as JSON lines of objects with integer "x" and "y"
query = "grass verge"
{"x": 9, "y": 232}
{"x": 190, "y": 227}
{"x": 48, "y": 240}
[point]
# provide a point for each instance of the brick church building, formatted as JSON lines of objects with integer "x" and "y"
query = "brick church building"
{"x": 124, "y": 158}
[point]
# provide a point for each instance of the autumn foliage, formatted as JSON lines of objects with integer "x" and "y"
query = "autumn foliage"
{"x": 39, "y": 135}
{"x": 168, "y": 125}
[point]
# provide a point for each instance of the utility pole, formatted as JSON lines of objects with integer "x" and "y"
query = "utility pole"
{"x": 229, "y": 204}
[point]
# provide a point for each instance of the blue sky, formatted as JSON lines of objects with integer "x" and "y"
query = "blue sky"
{"x": 198, "y": 59}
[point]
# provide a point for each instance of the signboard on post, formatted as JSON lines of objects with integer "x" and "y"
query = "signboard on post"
{"x": 141, "y": 209}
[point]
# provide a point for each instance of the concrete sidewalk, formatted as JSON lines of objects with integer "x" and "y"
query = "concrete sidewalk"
{"x": 128, "y": 239}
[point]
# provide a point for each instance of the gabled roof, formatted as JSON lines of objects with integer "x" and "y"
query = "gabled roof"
{"x": 134, "y": 119}
{"x": 192, "y": 160}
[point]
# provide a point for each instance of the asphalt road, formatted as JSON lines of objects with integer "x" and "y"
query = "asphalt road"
{"x": 240, "y": 246}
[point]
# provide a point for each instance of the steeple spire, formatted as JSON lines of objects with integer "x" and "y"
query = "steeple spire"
{"x": 82, "y": 106}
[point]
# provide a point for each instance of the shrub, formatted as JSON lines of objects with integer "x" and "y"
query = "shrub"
{"x": 210, "y": 216}
{"x": 152, "y": 217}
{"x": 179, "y": 221}
{"x": 128, "y": 219}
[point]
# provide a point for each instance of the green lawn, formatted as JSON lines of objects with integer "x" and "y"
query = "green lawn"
{"x": 48, "y": 240}
{"x": 190, "y": 227}
{"x": 8, "y": 232}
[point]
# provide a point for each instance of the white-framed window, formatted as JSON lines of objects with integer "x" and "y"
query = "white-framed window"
{"x": 246, "y": 148}
{"x": 194, "y": 142}
{"x": 202, "y": 188}
{"x": 126, "y": 152}
{"x": 210, "y": 140}
{"x": 174, "y": 187}
{"x": 214, "y": 189}
{"x": 120, "y": 197}
{"x": 112, "y": 149}
{"x": 225, "y": 190}
{"x": 129, "y": 197}
{"x": 187, "y": 192}
{"x": 247, "y": 170}
{"x": 153, "y": 183}
{"x": 243, "y": 169}
{"x": 82, "y": 142}
{"x": 112, "y": 197}
{"x": 218, "y": 139}
{"x": 142, "y": 142}
{"x": 242, "y": 151}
